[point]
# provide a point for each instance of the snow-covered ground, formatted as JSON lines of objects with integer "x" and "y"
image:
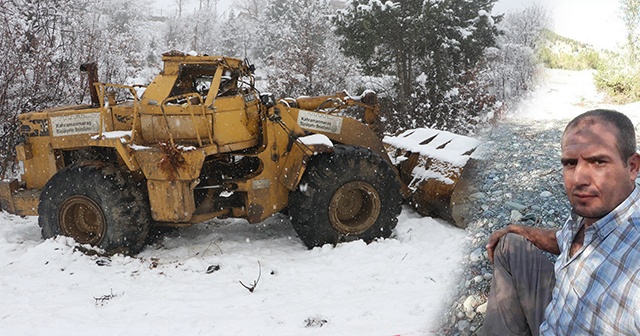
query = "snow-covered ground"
{"x": 397, "y": 286}
{"x": 189, "y": 283}
{"x": 564, "y": 94}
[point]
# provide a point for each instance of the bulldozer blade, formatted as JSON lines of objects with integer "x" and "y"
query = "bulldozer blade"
{"x": 434, "y": 167}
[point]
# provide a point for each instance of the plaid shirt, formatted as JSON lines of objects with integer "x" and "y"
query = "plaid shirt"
{"x": 597, "y": 291}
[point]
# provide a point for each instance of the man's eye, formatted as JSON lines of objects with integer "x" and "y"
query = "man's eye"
{"x": 568, "y": 164}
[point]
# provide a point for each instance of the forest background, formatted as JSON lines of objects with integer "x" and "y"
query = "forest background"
{"x": 447, "y": 64}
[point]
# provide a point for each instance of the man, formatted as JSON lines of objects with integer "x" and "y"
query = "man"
{"x": 594, "y": 287}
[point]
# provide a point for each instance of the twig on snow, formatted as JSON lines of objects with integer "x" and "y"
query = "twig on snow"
{"x": 255, "y": 283}
{"x": 101, "y": 301}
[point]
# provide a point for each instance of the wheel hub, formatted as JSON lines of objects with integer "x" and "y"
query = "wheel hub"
{"x": 82, "y": 219}
{"x": 354, "y": 207}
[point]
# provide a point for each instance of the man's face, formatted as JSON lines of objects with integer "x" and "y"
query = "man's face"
{"x": 596, "y": 178}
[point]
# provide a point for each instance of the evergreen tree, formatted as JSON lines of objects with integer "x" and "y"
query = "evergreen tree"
{"x": 236, "y": 40}
{"x": 430, "y": 46}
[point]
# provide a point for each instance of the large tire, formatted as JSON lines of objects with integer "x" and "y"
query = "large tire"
{"x": 96, "y": 205}
{"x": 346, "y": 195}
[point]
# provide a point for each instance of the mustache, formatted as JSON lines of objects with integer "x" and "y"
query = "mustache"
{"x": 584, "y": 191}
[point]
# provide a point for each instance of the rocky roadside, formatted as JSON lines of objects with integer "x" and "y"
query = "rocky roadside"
{"x": 517, "y": 179}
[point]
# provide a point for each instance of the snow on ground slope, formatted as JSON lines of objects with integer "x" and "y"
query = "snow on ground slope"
{"x": 561, "y": 94}
{"x": 396, "y": 286}
{"x": 564, "y": 94}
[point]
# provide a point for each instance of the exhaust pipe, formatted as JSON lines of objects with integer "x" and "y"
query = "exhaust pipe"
{"x": 92, "y": 77}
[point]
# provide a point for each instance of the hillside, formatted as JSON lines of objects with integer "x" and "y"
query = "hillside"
{"x": 559, "y": 52}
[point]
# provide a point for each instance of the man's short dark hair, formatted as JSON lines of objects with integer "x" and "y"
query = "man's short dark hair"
{"x": 626, "y": 136}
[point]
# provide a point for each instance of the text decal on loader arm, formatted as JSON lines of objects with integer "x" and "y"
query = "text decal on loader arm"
{"x": 319, "y": 122}
{"x": 84, "y": 123}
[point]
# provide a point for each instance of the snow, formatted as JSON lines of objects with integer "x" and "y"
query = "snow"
{"x": 443, "y": 146}
{"x": 140, "y": 148}
{"x": 564, "y": 94}
{"x": 186, "y": 148}
{"x": 316, "y": 139}
{"x": 421, "y": 174}
{"x": 394, "y": 286}
{"x": 383, "y": 6}
{"x": 114, "y": 135}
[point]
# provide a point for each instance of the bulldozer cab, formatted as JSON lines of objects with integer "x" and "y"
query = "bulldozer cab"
{"x": 202, "y": 101}
{"x": 196, "y": 78}
{"x": 193, "y": 78}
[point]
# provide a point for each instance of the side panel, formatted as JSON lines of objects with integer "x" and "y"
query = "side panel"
{"x": 40, "y": 163}
{"x": 184, "y": 128}
{"x": 17, "y": 201}
{"x": 235, "y": 121}
{"x": 171, "y": 178}
{"x": 171, "y": 201}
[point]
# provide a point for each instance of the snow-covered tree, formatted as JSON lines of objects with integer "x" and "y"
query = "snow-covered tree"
{"x": 236, "y": 39}
{"x": 513, "y": 62}
{"x": 430, "y": 46}
{"x": 300, "y": 55}
{"x": 36, "y": 67}
{"x": 44, "y": 42}
{"x": 205, "y": 32}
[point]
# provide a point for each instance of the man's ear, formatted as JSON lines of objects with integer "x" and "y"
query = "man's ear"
{"x": 633, "y": 163}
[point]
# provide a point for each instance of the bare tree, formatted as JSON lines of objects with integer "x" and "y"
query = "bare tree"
{"x": 513, "y": 63}
{"x": 249, "y": 7}
{"x": 35, "y": 68}
{"x": 524, "y": 27}
{"x": 180, "y": 4}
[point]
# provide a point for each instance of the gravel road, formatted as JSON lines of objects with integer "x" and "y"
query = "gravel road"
{"x": 517, "y": 179}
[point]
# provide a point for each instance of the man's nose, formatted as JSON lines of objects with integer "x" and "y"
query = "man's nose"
{"x": 582, "y": 174}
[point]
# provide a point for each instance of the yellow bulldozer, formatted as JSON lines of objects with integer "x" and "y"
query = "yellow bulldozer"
{"x": 201, "y": 142}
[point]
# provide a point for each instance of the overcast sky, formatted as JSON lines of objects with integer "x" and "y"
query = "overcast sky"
{"x": 597, "y": 22}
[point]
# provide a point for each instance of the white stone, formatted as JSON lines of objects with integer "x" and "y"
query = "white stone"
{"x": 515, "y": 216}
{"x": 476, "y": 255}
{"x": 471, "y": 303}
{"x": 482, "y": 308}
{"x": 546, "y": 194}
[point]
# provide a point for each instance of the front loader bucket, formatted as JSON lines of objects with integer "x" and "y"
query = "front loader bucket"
{"x": 431, "y": 164}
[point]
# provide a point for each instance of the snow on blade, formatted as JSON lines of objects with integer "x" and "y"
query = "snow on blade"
{"x": 440, "y": 145}
{"x": 420, "y": 174}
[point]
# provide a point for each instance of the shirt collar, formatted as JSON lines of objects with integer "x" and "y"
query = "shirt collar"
{"x": 605, "y": 225}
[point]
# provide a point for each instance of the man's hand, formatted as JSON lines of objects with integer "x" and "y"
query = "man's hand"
{"x": 494, "y": 239}
{"x": 544, "y": 239}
